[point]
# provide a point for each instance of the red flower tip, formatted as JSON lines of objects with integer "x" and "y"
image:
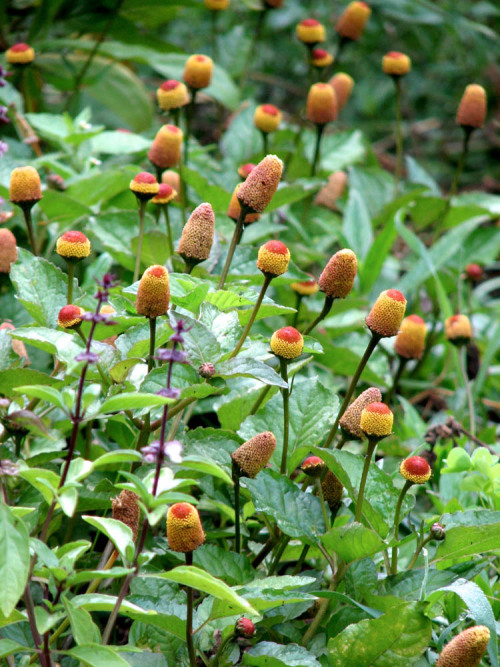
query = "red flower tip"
{"x": 313, "y": 461}
{"x": 201, "y": 59}
{"x": 157, "y": 271}
{"x": 474, "y": 271}
{"x": 364, "y": 4}
{"x": 74, "y": 237}
{"x": 181, "y": 510}
{"x": 416, "y": 318}
{"x": 417, "y": 465}
{"x": 145, "y": 177}
{"x": 170, "y": 84}
{"x": 277, "y": 247}
{"x": 18, "y": 48}
{"x": 319, "y": 53}
{"x": 289, "y": 334}
{"x": 309, "y": 22}
{"x": 396, "y": 54}
{"x": 172, "y": 128}
{"x": 378, "y": 408}
{"x": 164, "y": 191}
{"x": 244, "y": 628}
{"x": 455, "y": 318}
{"x": 395, "y": 295}
{"x": 270, "y": 109}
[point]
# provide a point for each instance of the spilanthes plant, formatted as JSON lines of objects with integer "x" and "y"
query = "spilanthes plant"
{"x": 25, "y": 190}
{"x": 73, "y": 247}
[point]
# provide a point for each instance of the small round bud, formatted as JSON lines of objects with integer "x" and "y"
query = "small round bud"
{"x": 474, "y": 272}
{"x": 338, "y": 276}
{"x": 198, "y": 234}
{"x": 153, "y": 293}
{"x": 245, "y": 169}
{"x": 273, "y": 258}
{"x": 458, "y": 330}
{"x": 126, "y": 509}
{"x": 166, "y": 194}
{"x": 350, "y": 422}
{"x": 396, "y": 64}
{"x": 25, "y": 187}
{"x": 198, "y": 71}
{"x": 310, "y": 31}
{"x": 254, "y": 454}
{"x": 144, "y": 186}
{"x": 244, "y": 627}
{"x": 165, "y": 150}
{"x": 287, "y": 343}
{"x": 172, "y": 94}
{"x": 216, "y": 5}
{"x": 415, "y": 469}
{"x": 258, "y": 189}
{"x": 73, "y": 246}
{"x": 184, "y": 529}
{"x": 466, "y": 649}
{"x": 437, "y": 532}
{"x": 352, "y": 21}
{"x": 172, "y": 178}
{"x": 313, "y": 466}
{"x": 387, "y": 313}
{"x": 342, "y": 84}
{"x": 8, "y": 250}
{"x": 321, "y": 58}
{"x": 332, "y": 191}
{"x": 234, "y": 209}
{"x": 333, "y": 491}
{"x": 472, "y": 109}
{"x": 56, "y": 182}
{"x": 206, "y": 370}
{"x": 410, "y": 341}
{"x": 20, "y": 54}
{"x": 321, "y": 104}
{"x": 376, "y": 421}
{"x": 306, "y": 287}
{"x": 267, "y": 118}
{"x": 70, "y": 316}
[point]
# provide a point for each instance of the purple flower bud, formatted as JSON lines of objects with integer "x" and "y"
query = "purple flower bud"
{"x": 4, "y": 118}
{"x": 172, "y": 355}
{"x": 169, "y": 392}
{"x": 9, "y": 468}
{"x": 3, "y": 148}
{"x": 173, "y": 449}
{"x": 89, "y": 357}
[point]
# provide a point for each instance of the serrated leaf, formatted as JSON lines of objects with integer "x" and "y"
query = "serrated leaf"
{"x": 249, "y": 367}
{"x": 352, "y": 541}
{"x": 471, "y": 532}
{"x": 233, "y": 568}
{"x": 11, "y": 379}
{"x": 48, "y": 394}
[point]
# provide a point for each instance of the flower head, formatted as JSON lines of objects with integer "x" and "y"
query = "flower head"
{"x": 321, "y": 104}
{"x": 206, "y": 370}
{"x": 332, "y": 191}
{"x": 376, "y": 420}
{"x": 244, "y": 627}
{"x": 8, "y": 250}
{"x": 415, "y": 469}
{"x": 172, "y": 94}
{"x": 352, "y": 21}
{"x": 234, "y": 209}
{"x": 410, "y": 341}
{"x": 25, "y": 186}
{"x": 198, "y": 71}
{"x": 333, "y": 491}
{"x": 321, "y": 58}
{"x": 172, "y": 178}
{"x": 338, "y": 276}
{"x": 245, "y": 169}
{"x": 273, "y": 258}
{"x": 466, "y": 649}
{"x": 126, "y": 509}
{"x": 267, "y": 118}
{"x": 342, "y": 84}
{"x": 144, "y": 186}
{"x": 153, "y": 293}
{"x": 387, "y": 313}
{"x": 165, "y": 150}
{"x": 166, "y": 194}
{"x": 20, "y": 54}
{"x": 305, "y": 287}
{"x": 257, "y": 191}
{"x": 396, "y": 64}
{"x": 474, "y": 272}
{"x": 254, "y": 454}
{"x": 198, "y": 234}
{"x": 458, "y": 330}
{"x": 287, "y": 343}
{"x": 310, "y": 31}
{"x": 472, "y": 108}
{"x": 70, "y": 316}
{"x": 73, "y": 246}
{"x": 437, "y": 532}
{"x": 350, "y": 422}
{"x": 184, "y": 529}
{"x": 313, "y": 466}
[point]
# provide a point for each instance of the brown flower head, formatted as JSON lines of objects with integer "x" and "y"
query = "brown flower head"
{"x": 352, "y": 21}
{"x": 306, "y": 287}
{"x": 333, "y": 491}
{"x": 25, "y": 187}
{"x": 273, "y": 258}
{"x": 172, "y": 94}
{"x": 395, "y": 63}
{"x": 70, "y": 316}
{"x": 287, "y": 343}
{"x": 321, "y": 104}
{"x": 387, "y": 313}
{"x": 198, "y": 71}
{"x": 350, "y": 422}
{"x": 234, "y": 209}
{"x": 267, "y": 118}
{"x": 73, "y": 246}
{"x": 313, "y": 466}
{"x": 153, "y": 293}
{"x": 342, "y": 84}
{"x": 466, "y": 649}
{"x": 415, "y": 469}
{"x": 376, "y": 420}
{"x": 410, "y": 341}
{"x": 332, "y": 191}
{"x": 126, "y": 509}
{"x": 20, "y": 54}
{"x": 337, "y": 278}
{"x": 144, "y": 186}
{"x": 166, "y": 194}
{"x": 184, "y": 529}
{"x": 165, "y": 150}
{"x": 245, "y": 169}
{"x": 8, "y": 250}
{"x": 471, "y": 112}
{"x": 310, "y": 31}
{"x": 321, "y": 58}
{"x": 198, "y": 234}
{"x": 458, "y": 330}
{"x": 261, "y": 184}
{"x": 254, "y": 454}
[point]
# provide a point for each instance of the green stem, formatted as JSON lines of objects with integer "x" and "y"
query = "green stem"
{"x": 327, "y": 306}
{"x": 260, "y": 399}
{"x": 279, "y": 552}
{"x": 361, "y": 494}
{"x": 399, "y": 136}
{"x": 297, "y": 309}
{"x": 215, "y": 662}
{"x": 142, "y": 211}
{"x": 319, "y": 133}
{"x": 237, "y": 536}
{"x": 71, "y": 275}
{"x": 341, "y": 442}
{"x": 265, "y": 142}
{"x": 169, "y": 229}
{"x": 188, "y": 117}
{"x": 420, "y": 546}
{"x": 468, "y": 392}
{"x": 461, "y": 162}
{"x": 152, "y": 341}
{"x": 286, "y": 422}
{"x": 323, "y": 606}
{"x": 266, "y": 549}
{"x": 189, "y": 618}
{"x": 100, "y": 369}
{"x": 402, "y": 494}
{"x": 326, "y": 518}
{"x": 246, "y": 330}
{"x": 300, "y": 562}
{"x": 364, "y": 360}
{"x": 392, "y": 391}
{"x": 213, "y": 33}
{"x": 29, "y": 226}
{"x": 183, "y": 190}
{"x": 238, "y": 231}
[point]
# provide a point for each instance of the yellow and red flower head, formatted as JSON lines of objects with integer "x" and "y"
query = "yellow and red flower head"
{"x": 342, "y": 84}
{"x": 471, "y": 112}
{"x": 166, "y": 194}
{"x": 244, "y": 627}
{"x": 126, "y": 509}
{"x": 254, "y": 454}
{"x": 321, "y": 104}
{"x": 198, "y": 71}
{"x": 267, "y": 118}
{"x": 25, "y": 186}
{"x": 321, "y": 58}
{"x": 70, "y": 316}
{"x": 333, "y": 491}
{"x": 396, "y": 63}
{"x": 350, "y": 422}
{"x": 287, "y": 343}
{"x": 20, "y": 54}
{"x": 466, "y": 649}
{"x": 8, "y": 250}
{"x": 258, "y": 189}
{"x": 172, "y": 94}
{"x": 184, "y": 529}
{"x": 387, "y": 313}
{"x": 198, "y": 234}
{"x": 310, "y": 31}
{"x": 458, "y": 330}
{"x": 313, "y": 466}
{"x": 165, "y": 150}
{"x": 153, "y": 293}
{"x": 376, "y": 420}
{"x": 172, "y": 178}
{"x": 234, "y": 209}
{"x": 245, "y": 169}
{"x": 306, "y": 287}
{"x": 415, "y": 469}
{"x": 338, "y": 276}
{"x": 410, "y": 341}
{"x": 144, "y": 186}
{"x": 352, "y": 21}
{"x": 273, "y": 258}
{"x": 216, "y": 5}
{"x": 474, "y": 272}
{"x": 73, "y": 246}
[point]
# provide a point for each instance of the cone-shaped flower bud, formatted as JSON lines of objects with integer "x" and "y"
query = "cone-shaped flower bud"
{"x": 321, "y": 104}
{"x": 165, "y": 150}
{"x": 395, "y": 63}
{"x": 321, "y": 58}
{"x": 306, "y": 287}
{"x": 244, "y": 627}
{"x": 184, "y": 529}
{"x": 198, "y": 234}
{"x": 20, "y": 54}
{"x": 458, "y": 330}
{"x": 313, "y": 466}
{"x": 17, "y": 345}
{"x": 466, "y": 649}
{"x": 8, "y": 250}
{"x": 352, "y": 21}
{"x": 350, "y": 421}
{"x": 410, "y": 341}
{"x": 166, "y": 194}
{"x": 153, "y": 294}
{"x": 172, "y": 178}
{"x": 126, "y": 509}
{"x": 342, "y": 84}
{"x": 70, "y": 316}
{"x": 273, "y": 258}
{"x": 311, "y": 31}
{"x": 287, "y": 343}
{"x": 437, "y": 532}
{"x": 73, "y": 246}
{"x": 376, "y": 420}
{"x": 415, "y": 469}
{"x": 472, "y": 108}
{"x": 254, "y": 454}
{"x": 267, "y": 118}
{"x": 206, "y": 370}
{"x": 387, "y": 313}
{"x": 245, "y": 169}
{"x": 198, "y": 71}
{"x": 332, "y": 191}
{"x": 337, "y": 278}
{"x": 234, "y": 209}
{"x": 144, "y": 186}
{"x": 474, "y": 272}
{"x": 25, "y": 186}
{"x": 172, "y": 94}
{"x": 333, "y": 491}
{"x": 261, "y": 184}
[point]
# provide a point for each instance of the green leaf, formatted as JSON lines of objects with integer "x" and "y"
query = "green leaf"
{"x": 269, "y": 654}
{"x": 376, "y": 255}
{"x": 10, "y": 380}
{"x": 84, "y": 630}
{"x": 48, "y": 394}
{"x": 95, "y": 655}
{"x": 132, "y": 401}
{"x": 63, "y": 345}
{"x": 120, "y": 534}
{"x": 203, "y": 464}
{"x": 8, "y": 647}
{"x": 249, "y": 367}
{"x": 352, "y": 541}
{"x": 357, "y": 226}
{"x": 119, "y": 456}
{"x": 116, "y": 231}
{"x": 217, "y": 196}
{"x": 471, "y": 532}
{"x": 338, "y": 149}
{"x": 396, "y": 639}
{"x": 119, "y": 143}
{"x": 229, "y": 566}
{"x": 44, "y": 481}
{"x": 14, "y": 559}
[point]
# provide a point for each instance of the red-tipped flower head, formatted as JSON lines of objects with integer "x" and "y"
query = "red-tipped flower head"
{"x": 313, "y": 466}
{"x": 20, "y": 54}
{"x": 153, "y": 293}
{"x": 244, "y": 627}
{"x": 321, "y": 104}
{"x": 415, "y": 469}
{"x": 387, "y": 313}
{"x": 70, "y": 316}
{"x": 184, "y": 529}
{"x": 352, "y": 21}
{"x": 287, "y": 343}
{"x": 166, "y": 194}
{"x": 257, "y": 191}
{"x": 458, "y": 330}
{"x": 273, "y": 258}
{"x": 245, "y": 169}
{"x": 395, "y": 63}
{"x": 350, "y": 421}
{"x": 376, "y": 421}
{"x": 144, "y": 186}
{"x": 471, "y": 112}
{"x": 321, "y": 58}
{"x": 267, "y": 118}
{"x": 25, "y": 187}
{"x": 474, "y": 272}
{"x": 165, "y": 150}
{"x": 172, "y": 94}
{"x": 73, "y": 246}
{"x": 198, "y": 71}
{"x": 306, "y": 287}
{"x": 410, "y": 341}
{"x": 310, "y": 31}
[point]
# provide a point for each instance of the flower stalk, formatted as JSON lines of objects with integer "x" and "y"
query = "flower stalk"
{"x": 402, "y": 494}
{"x": 327, "y": 306}
{"x": 238, "y": 231}
{"x": 246, "y": 330}
{"x": 142, "y": 211}
{"x": 372, "y": 443}
{"x": 285, "y": 392}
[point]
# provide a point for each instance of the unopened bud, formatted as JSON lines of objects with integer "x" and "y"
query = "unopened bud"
{"x": 472, "y": 109}
{"x": 352, "y": 21}
{"x": 333, "y": 491}
{"x": 126, "y": 509}
{"x": 206, "y": 370}
{"x": 244, "y": 627}
{"x": 466, "y": 649}
{"x": 165, "y": 150}
{"x": 437, "y": 532}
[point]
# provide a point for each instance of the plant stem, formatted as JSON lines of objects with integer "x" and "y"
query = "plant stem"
{"x": 470, "y": 401}
{"x": 246, "y": 330}
{"x": 319, "y": 133}
{"x": 71, "y": 274}
{"x": 327, "y": 306}
{"x": 142, "y": 211}
{"x": 265, "y": 142}
{"x": 369, "y": 453}
{"x": 30, "y": 611}
{"x": 461, "y": 162}
{"x": 188, "y": 117}
{"x": 238, "y": 231}
{"x": 297, "y": 310}
{"x": 169, "y": 229}
{"x": 237, "y": 538}
{"x": 326, "y": 518}
{"x": 216, "y": 659}
{"x": 189, "y": 619}
{"x": 363, "y": 361}
{"x": 286, "y": 422}
{"x": 323, "y": 606}
{"x": 29, "y": 226}
{"x": 341, "y": 442}
{"x": 399, "y": 136}
{"x": 420, "y": 546}
{"x": 279, "y": 552}
{"x": 260, "y": 399}
{"x": 152, "y": 341}
{"x": 402, "y": 494}
{"x": 392, "y": 391}
{"x": 300, "y": 562}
